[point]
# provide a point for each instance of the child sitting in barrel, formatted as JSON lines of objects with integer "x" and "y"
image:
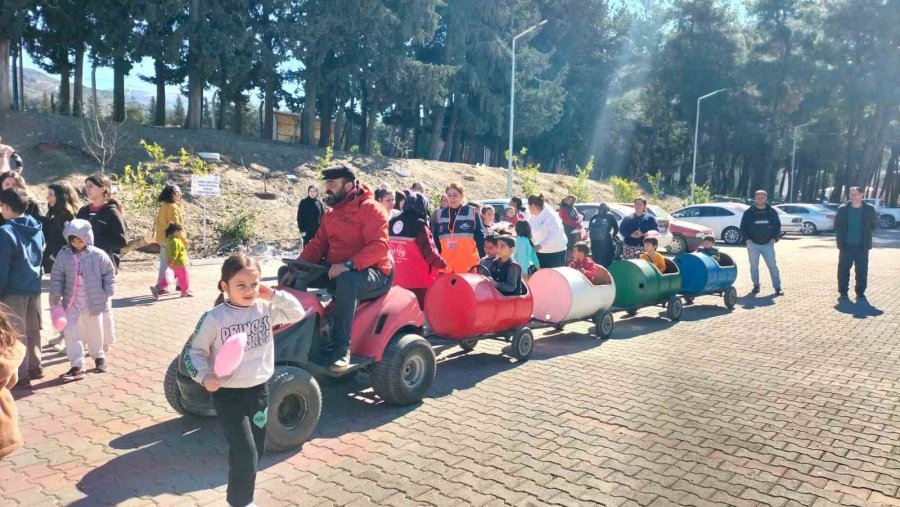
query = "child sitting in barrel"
{"x": 505, "y": 272}
{"x": 490, "y": 250}
{"x": 581, "y": 261}
{"x": 652, "y": 256}
{"x": 709, "y": 248}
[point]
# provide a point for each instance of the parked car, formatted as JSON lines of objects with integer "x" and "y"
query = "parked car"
{"x": 723, "y": 218}
{"x": 790, "y": 224}
{"x": 686, "y": 236}
{"x": 830, "y": 205}
{"x": 620, "y": 211}
{"x": 816, "y": 218}
{"x": 888, "y": 218}
{"x": 499, "y": 206}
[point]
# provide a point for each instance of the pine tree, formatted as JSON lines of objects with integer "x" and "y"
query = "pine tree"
{"x": 178, "y": 113}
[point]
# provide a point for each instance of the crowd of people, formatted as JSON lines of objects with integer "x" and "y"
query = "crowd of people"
{"x": 370, "y": 240}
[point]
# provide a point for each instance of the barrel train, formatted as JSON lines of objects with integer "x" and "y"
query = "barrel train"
{"x": 467, "y": 308}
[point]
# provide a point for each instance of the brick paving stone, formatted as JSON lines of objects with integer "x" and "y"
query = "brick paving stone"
{"x": 782, "y": 401}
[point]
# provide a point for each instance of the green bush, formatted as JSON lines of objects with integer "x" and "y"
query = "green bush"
{"x": 624, "y": 190}
{"x": 144, "y": 183}
{"x": 702, "y": 194}
{"x": 528, "y": 171}
{"x": 655, "y": 182}
{"x": 580, "y": 189}
{"x": 323, "y": 163}
{"x": 238, "y": 226}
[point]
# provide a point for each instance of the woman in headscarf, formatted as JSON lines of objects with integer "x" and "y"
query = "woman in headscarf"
{"x": 603, "y": 230}
{"x": 417, "y": 261}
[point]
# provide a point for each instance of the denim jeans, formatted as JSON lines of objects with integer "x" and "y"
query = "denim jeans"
{"x": 767, "y": 251}
{"x": 853, "y": 255}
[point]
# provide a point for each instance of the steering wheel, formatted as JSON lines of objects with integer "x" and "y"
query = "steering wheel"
{"x": 479, "y": 269}
{"x": 300, "y": 273}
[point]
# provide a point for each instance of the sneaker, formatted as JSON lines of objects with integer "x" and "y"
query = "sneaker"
{"x": 779, "y": 292}
{"x": 755, "y": 289}
{"x": 861, "y": 298}
{"x": 155, "y": 291}
{"x": 35, "y": 374}
{"x": 187, "y": 294}
{"x": 72, "y": 374}
{"x": 843, "y": 297}
{"x": 58, "y": 347}
{"x": 100, "y": 365}
{"x": 341, "y": 363}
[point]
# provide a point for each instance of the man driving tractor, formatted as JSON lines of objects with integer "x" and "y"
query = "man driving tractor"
{"x": 353, "y": 239}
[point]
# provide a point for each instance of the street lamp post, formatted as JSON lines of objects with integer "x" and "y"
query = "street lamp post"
{"x": 696, "y": 138}
{"x": 794, "y": 160}
{"x": 512, "y": 108}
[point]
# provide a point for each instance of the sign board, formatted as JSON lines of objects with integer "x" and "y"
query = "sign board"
{"x": 205, "y": 186}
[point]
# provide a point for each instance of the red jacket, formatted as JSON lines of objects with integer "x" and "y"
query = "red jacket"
{"x": 587, "y": 267}
{"x": 354, "y": 229}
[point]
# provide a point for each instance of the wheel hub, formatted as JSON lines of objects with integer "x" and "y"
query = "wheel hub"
{"x": 292, "y": 411}
{"x": 413, "y": 372}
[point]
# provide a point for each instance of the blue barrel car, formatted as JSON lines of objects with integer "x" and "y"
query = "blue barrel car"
{"x": 702, "y": 275}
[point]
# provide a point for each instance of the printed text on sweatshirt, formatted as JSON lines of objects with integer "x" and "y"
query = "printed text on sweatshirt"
{"x": 256, "y": 320}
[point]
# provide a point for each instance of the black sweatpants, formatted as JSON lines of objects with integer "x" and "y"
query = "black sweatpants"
{"x": 850, "y": 256}
{"x": 243, "y": 413}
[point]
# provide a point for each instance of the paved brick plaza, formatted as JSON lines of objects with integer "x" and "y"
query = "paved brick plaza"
{"x": 786, "y": 401}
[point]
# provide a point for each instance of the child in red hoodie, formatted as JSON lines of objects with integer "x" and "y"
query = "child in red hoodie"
{"x": 581, "y": 260}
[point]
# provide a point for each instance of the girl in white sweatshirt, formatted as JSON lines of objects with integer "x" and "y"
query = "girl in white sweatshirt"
{"x": 241, "y": 399}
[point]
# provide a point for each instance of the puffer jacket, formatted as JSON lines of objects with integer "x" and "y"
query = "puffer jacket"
{"x": 169, "y": 212}
{"x": 355, "y": 229}
{"x": 97, "y": 269}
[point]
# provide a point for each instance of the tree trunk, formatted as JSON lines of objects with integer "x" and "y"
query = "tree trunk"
{"x": 220, "y": 121}
{"x": 370, "y": 120}
{"x": 4, "y": 78}
{"x": 451, "y": 133}
{"x": 15, "y": 79}
{"x": 196, "y": 78}
{"x": 95, "y": 105}
{"x": 78, "y": 95}
{"x": 310, "y": 93}
{"x": 22, "y": 73}
{"x": 339, "y": 125}
{"x": 437, "y": 126}
{"x": 268, "y": 117}
{"x": 120, "y": 69}
{"x": 65, "y": 88}
{"x": 327, "y": 105}
{"x": 159, "y": 114}
{"x": 238, "y": 125}
{"x": 364, "y": 127}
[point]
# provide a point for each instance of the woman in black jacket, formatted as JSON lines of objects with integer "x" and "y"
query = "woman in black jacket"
{"x": 105, "y": 215}
{"x": 309, "y": 214}
{"x": 62, "y": 204}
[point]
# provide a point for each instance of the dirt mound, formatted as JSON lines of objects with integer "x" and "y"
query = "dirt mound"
{"x": 52, "y": 148}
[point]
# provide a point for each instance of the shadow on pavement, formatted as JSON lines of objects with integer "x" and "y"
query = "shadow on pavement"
{"x": 176, "y": 457}
{"x": 631, "y": 327}
{"x": 858, "y": 310}
{"x": 751, "y": 301}
{"x": 133, "y": 301}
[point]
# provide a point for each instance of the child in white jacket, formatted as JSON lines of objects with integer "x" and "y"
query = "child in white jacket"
{"x": 241, "y": 399}
{"x": 83, "y": 280}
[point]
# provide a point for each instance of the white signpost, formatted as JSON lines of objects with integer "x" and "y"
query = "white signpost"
{"x": 206, "y": 186}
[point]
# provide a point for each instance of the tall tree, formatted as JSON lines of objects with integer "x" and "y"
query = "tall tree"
{"x": 161, "y": 29}
{"x": 12, "y": 24}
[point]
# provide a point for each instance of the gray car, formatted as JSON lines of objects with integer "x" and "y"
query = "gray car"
{"x": 816, "y": 218}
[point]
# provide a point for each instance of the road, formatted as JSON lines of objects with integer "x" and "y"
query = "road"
{"x": 782, "y": 401}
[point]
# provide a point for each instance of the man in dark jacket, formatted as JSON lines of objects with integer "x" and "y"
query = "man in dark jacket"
{"x": 309, "y": 214}
{"x": 21, "y": 251}
{"x": 761, "y": 228}
{"x": 353, "y": 239}
{"x": 853, "y": 228}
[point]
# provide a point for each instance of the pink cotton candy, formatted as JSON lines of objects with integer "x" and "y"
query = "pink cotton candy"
{"x": 230, "y": 355}
{"x": 58, "y": 316}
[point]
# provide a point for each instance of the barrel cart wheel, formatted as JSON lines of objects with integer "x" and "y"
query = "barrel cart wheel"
{"x": 674, "y": 308}
{"x": 468, "y": 344}
{"x": 603, "y": 324}
{"x": 730, "y": 297}
{"x": 522, "y": 344}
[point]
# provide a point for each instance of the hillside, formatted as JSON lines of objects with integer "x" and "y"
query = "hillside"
{"x": 51, "y": 147}
{"x": 37, "y": 83}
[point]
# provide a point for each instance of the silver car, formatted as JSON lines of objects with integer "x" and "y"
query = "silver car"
{"x": 816, "y": 218}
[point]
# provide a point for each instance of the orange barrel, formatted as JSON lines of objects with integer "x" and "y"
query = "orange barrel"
{"x": 466, "y": 305}
{"x": 564, "y": 294}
